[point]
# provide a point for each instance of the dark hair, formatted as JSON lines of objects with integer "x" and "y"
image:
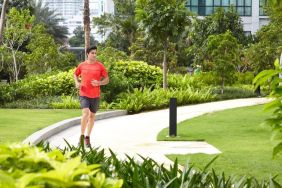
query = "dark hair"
{"x": 91, "y": 48}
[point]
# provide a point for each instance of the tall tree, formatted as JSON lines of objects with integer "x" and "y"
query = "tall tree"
{"x": 120, "y": 26}
{"x": 43, "y": 54}
{"x": 163, "y": 21}
{"x": 51, "y": 19}
{"x": 17, "y": 31}
{"x": 218, "y": 23}
{"x": 2, "y": 19}
{"x": 78, "y": 39}
{"x": 224, "y": 52}
{"x": 86, "y": 22}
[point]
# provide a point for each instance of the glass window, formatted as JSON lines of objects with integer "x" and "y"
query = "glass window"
{"x": 202, "y": 11}
{"x": 240, "y": 11}
{"x": 216, "y": 2}
{"x": 248, "y": 11}
{"x": 233, "y": 2}
{"x": 188, "y": 3}
{"x": 240, "y": 3}
{"x": 202, "y": 3}
{"x": 194, "y": 9}
{"x": 248, "y": 2}
{"x": 209, "y": 2}
{"x": 225, "y": 2}
{"x": 261, "y": 2}
{"x": 209, "y": 10}
{"x": 261, "y": 12}
{"x": 194, "y": 2}
{"x": 225, "y": 9}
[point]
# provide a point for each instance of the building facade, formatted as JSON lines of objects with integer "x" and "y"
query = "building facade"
{"x": 71, "y": 12}
{"x": 251, "y": 11}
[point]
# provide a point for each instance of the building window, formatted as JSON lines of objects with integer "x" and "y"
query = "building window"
{"x": 207, "y": 7}
{"x": 262, "y": 5}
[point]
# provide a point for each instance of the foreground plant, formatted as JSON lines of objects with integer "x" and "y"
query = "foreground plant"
{"x": 26, "y": 166}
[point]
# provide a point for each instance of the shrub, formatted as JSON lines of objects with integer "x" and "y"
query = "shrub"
{"x": 244, "y": 78}
{"x": 177, "y": 81}
{"x": 145, "y": 172}
{"x": 147, "y": 99}
{"x": 139, "y": 73}
{"x": 26, "y": 166}
{"x": 67, "y": 102}
{"x": 233, "y": 92}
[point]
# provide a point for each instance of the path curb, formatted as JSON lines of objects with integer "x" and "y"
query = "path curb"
{"x": 49, "y": 131}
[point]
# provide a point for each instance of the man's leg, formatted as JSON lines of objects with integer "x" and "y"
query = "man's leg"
{"x": 91, "y": 119}
{"x": 84, "y": 122}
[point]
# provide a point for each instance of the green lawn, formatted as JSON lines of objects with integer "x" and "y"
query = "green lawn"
{"x": 17, "y": 124}
{"x": 245, "y": 144}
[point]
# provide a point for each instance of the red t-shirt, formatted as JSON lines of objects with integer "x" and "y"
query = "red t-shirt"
{"x": 89, "y": 72}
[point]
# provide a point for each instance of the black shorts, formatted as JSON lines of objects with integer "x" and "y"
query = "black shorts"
{"x": 91, "y": 103}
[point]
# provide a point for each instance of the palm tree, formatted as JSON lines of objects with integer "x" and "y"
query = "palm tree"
{"x": 86, "y": 22}
{"x": 50, "y": 19}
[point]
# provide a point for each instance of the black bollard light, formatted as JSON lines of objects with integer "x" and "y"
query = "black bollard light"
{"x": 172, "y": 117}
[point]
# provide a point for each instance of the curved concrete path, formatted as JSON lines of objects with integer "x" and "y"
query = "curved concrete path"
{"x": 136, "y": 134}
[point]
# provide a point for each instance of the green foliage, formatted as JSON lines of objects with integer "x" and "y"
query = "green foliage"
{"x": 44, "y": 55}
{"x": 138, "y": 73}
{"x": 34, "y": 103}
{"x": 145, "y": 172}
{"x": 78, "y": 39}
{"x": 147, "y": 99}
{"x": 224, "y": 52}
{"x": 16, "y": 32}
{"x": 244, "y": 78}
{"x": 122, "y": 26}
{"x": 177, "y": 81}
{"x": 50, "y": 19}
{"x": 163, "y": 21}
{"x": 51, "y": 84}
{"x": 218, "y": 23}
{"x": 272, "y": 77}
{"x": 109, "y": 56}
{"x": 67, "y": 102}
{"x": 26, "y": 166}
{"x": 234, "y": 92}
{"x": 208, "y": 78}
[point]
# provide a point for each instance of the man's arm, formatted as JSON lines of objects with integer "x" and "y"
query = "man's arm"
{"x": 77, "y": 82}
{"x": 104, "y": 81}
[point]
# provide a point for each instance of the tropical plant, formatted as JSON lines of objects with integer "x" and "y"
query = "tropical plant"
{"x": 50, "y": 19}
{"x": 224, "y": 52}
{"x": 17, "y": 31}
{"x": 218, "y": 23}
{"x": 276, "y": 93}
{"x": 78, "y": 39}
{"x": 86, "y": 24}
{"x": 163, "y": 21}
{"x": 43, "y": 55}
{"x": 120, "y": 26}
{"x": 26, "y": 166}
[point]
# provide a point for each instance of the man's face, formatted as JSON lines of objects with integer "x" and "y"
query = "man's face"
{"x": 92, "y": 54}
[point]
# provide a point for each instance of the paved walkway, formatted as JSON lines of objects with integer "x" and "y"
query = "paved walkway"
{"x": 136, "y": 134}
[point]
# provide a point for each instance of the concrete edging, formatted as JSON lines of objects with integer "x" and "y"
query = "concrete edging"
{"x": 49, "y": 131}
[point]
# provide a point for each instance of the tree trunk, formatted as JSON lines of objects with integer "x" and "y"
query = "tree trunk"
{"x": 15, "y": 67}
{"x": 222, "y": 85}
{"x": 2, "y": 19}
{"x": 86, "y": 22}
{"x": 165, "y": 65}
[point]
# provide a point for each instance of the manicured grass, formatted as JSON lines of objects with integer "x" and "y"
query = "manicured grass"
{"x": 245, "y": 144}
{"x": 17, "y": 124}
